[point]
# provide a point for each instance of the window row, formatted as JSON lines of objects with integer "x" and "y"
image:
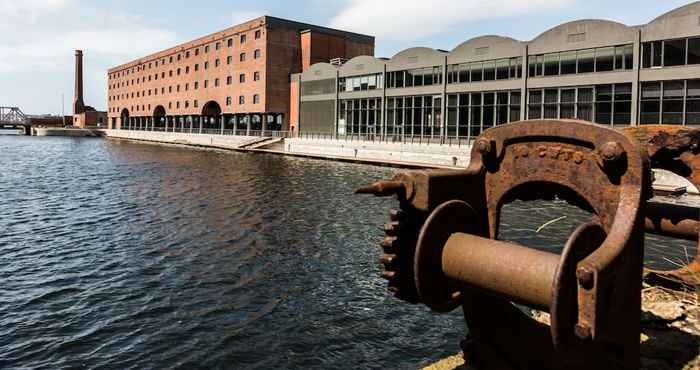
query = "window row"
{"x": 669, "y": 53}
{"x": 217, "y": 46}
{"x": 469, "y": 114}
{"x": 361, "y": 83}
{"x": 176, "y": 72}
{"x": 501, "y": 69}
{"x": 670, "y": 102}
{"x": 360, "y": 116}
{"x": 414, "y": 116}
{"x": 612, "y": 58}
{"x": 414, "y": 77}
{"x": 603, "y": 104}
{"x": 186, "y": 104}
{"x": 186, "y": 86}
{"x": 257, "y": 53}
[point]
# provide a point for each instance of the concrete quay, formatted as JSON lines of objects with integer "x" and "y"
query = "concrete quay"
{"x": 404, "y": 155}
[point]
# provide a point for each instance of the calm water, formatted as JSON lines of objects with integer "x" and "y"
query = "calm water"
{"x": 130, "y": 256}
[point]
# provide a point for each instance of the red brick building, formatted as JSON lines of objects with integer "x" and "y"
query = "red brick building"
{"x": 236, "y": 79}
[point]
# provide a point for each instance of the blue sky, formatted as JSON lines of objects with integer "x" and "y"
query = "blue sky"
{"x": 39, "y": 36}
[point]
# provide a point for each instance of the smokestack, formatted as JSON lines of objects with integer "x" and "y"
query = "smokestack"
{"x": 78, "y": 103}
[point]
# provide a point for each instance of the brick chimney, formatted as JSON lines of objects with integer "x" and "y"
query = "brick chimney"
{"x": 78, "y": 103}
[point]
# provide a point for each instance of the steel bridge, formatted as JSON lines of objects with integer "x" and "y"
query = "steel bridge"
{"x": 14, "y": 118}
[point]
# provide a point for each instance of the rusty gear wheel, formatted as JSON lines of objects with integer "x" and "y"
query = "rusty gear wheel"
{"x": 399, "y": 247}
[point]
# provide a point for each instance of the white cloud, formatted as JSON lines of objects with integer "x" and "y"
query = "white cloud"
{"x": 39, "y": 37}
{"x": 406, "y": 20}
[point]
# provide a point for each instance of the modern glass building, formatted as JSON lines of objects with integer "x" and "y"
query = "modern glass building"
{"x": 595, "y": 70}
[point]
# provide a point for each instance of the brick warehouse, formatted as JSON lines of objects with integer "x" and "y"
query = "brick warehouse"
{"x": 235, "y": 79}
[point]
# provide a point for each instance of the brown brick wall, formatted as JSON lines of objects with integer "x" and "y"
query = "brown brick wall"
{"x": 144, "y": 84}
{"x": 293, "y": 105}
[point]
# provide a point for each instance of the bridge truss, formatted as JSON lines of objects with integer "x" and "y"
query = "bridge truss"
{"x": 12, "y": 116}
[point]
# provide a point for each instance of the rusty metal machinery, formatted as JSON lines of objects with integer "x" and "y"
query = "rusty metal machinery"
{"x": 591, "y": 290}
{"x": 675, "y": 149}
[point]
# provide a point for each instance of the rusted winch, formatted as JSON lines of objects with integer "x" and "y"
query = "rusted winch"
{"x": 675, "y": 149}
{"x": 591, "y": 290}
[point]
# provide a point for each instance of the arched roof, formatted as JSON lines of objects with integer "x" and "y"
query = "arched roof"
{"x": 361, "y": 65}
{"x": 416, "y": 57}
{"x": 679, "y": 22}
{"x": 485, "y": 48}
{"x": 320, "y": 71}
{"x": 582, "y": 34}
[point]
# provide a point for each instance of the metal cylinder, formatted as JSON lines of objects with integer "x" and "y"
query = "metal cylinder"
{"x": 518, "y": 273}
{"x": 672, "y": 220}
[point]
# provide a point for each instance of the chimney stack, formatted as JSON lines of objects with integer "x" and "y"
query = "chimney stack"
{"x": 78, "y": 103}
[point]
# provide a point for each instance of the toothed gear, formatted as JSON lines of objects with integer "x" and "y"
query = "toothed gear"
{"x": 399, "y": 247}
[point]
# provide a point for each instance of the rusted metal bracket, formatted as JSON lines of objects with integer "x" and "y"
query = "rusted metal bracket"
{"x": 675, "y": 149}
{"x": 592, "y": 290}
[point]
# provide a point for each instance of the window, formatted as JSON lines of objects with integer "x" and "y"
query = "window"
{"x": 187, "y": 86}
{"x": 241, "y": 100}
{"x": 196, "y": 51}
{"x": 256, "y": 54}
{"x": 187, "y": 69}
{"x": 228, "y": 101}
{"x": 257, "y": 34}
{"x": 692, "y": 104}
{"x": 674, "y": 52}
{"x": 218, "y": 45}
{"x": 229, "y": 80}
{"x": 196, "y": 67}
{"x": 179, "y": 57}
{"x": 356, "y": 83}
{"x": 604, "y": 59}
{"x": 256, "y": 76}
{"x": 217, "y": 62}
{"x": 672, "y": 102}
{"x": 243, "y": 38}
{"x": 694, "y": 51}
{"x": 229, "y": 42}
{"x": 216, "y": 82}
{"x": 187, "y": 103}
{"x": 187, "y": 54}
{"x": 413, "y": 77}
{"x": 206, "y": 49}
{"x": 196, "y": 103}
{"x": 585, "y": 61}
{"x": 603, "y": 104}
{"x": 551, "y": 64}
{"x": 206, "y": 65}
{"x": 229, "y": 59}
{"x": 568, "y": 63}
{"x": 651, "y": 54}
{"x": 196, "y": 85}
{"x": 242, "y": 57}
{"x": 241, "y": 78}
{"x": 178, "y": 71}
{"x": 256, "y": 99}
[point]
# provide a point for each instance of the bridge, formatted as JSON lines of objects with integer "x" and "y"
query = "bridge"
{"x": 14, "y": 118}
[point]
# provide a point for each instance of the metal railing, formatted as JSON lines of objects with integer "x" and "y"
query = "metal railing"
{"x": 364, "y": 137}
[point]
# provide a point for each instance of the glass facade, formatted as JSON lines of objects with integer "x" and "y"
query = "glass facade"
{"x": 361, "y": 83}
{"x": 612, "y": 58}
{"x": 505, "y": 69}
{"x": 419, "y": 116}
{"x": 360, "y": 116}
{"x": 670, "y": 102}
{"x": 469, "y": 114}
{"x": 603, "y": 104}
{"x": 670, "y": 53}
{"x": 414, "y": 77}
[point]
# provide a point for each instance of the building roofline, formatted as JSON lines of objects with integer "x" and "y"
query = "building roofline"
{"x": 228, "y": 32}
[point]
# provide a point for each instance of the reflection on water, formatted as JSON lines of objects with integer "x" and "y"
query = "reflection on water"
{"x": 125, "y": 255}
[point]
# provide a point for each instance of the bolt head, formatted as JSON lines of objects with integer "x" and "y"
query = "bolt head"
{"x": 611, "y": 151}
{"x": 483, "y": 146}
{"x": 585, "y": 277}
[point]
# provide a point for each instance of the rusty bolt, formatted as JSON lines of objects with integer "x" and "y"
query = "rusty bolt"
{"x": 611, "y": 151}
{"x": 585, "y": 277}
{"x": 483, "y": 146}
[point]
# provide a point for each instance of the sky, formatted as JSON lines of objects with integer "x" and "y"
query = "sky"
{"x": 39, "y": 36}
